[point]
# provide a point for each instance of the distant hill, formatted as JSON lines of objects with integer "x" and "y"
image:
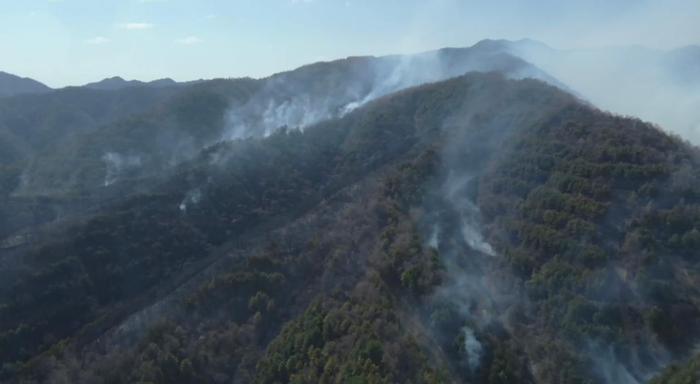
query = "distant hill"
{"x": 14, "y": 85}
{"x": 116, "y": 82}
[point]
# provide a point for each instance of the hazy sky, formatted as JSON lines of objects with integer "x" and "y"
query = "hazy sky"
{"x": 69, "y": 42}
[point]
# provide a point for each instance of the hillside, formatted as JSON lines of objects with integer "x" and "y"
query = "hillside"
{"x": 141, "y": 116}
{"x": 11, "y": 85}
{"x": 479, "y": 229}
{"x": 77, "y": 149}
{"x": 116, "y": 82}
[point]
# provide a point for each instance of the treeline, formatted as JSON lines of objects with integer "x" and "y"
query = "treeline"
{"x": 596, "y": 214}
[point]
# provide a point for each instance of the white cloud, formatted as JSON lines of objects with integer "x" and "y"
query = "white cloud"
{"x": 97, "y": 40}
{"x": 135, "y": 26}
{"x": 189, "y": 40}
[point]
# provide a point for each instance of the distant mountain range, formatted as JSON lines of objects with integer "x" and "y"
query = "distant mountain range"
{"x": 116, "y": 82}
{"x": 11, "y": 85}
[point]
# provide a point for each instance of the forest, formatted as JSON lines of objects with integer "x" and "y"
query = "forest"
{"x": 479, "y": 229}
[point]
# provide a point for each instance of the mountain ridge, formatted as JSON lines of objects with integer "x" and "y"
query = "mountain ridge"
{"x": 364, "y": 220}
{"x": 11, "y": 85}
{"x": 487, "y": 166}
{"x": 248, "y": 107}
{"x": 116, "y": 82}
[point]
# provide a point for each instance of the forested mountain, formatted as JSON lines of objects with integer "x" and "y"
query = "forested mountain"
{"x": 11, "y": 85}
{"x": 79, "y": 147}
{"x": 149, "y": 124}
{"x": 369, "y": 220}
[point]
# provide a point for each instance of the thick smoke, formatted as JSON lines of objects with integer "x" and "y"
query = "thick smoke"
{"x": 322, "y": 91}
{"x": 401, "y": 72}
{"x": 117, "y": 164}
{"x": 659, "y": 86}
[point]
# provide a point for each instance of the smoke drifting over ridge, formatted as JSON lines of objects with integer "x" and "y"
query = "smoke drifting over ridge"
{"x": 327, "y": 90}
{"x": 656, "y": 85}
{"x": 321, "y": 91}
{"x": 659, "y": 86}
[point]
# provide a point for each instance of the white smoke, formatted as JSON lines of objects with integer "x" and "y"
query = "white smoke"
{"x": 473, "y": 348}
{"x": 296, "y": 113}
{"x": 638, "y": 366}
{"x": 475, "y": 239}
{"x": 192, "y": 197}
{"x": 404, "y": 72}
{"x": 468, "y": 212}
{"x": 116, "y": 164}
{"x": 468, "y": 287}
{"x": 434, "y": 239}
{"x": 610, "y": 368}
{"x": 655, "y": 85}
{"x": 295, "y": 100}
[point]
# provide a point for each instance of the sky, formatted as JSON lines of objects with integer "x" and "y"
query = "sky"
{"x": 72, "y": 42}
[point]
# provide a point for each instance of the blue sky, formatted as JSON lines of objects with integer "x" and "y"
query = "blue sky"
{"x": 70, "y": 42}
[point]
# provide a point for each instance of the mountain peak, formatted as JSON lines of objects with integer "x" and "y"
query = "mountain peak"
{"x": 112, "y": 83}
{"x": 117, "y": 82}
{"x": 491, "y": 44}
{"x": 11, "y": 85}
{"x": 509, "y": 45}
